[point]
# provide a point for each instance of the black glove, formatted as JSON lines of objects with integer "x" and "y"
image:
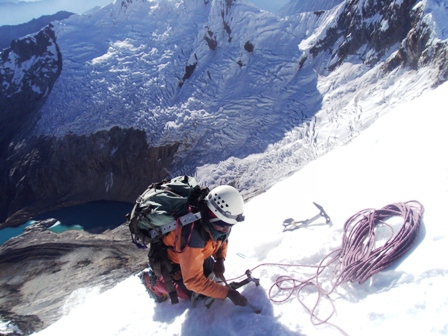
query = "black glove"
{"x": 236, "y": 298}
{"x": 219, "y": 268}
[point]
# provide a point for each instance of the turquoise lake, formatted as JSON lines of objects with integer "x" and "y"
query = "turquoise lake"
{"x": 93, "y": 217}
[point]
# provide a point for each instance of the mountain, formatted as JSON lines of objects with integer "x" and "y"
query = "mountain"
{"x": 100, "y": 105}
{"x": 9, "y": 33}
{"x": 386, "y": 166}
{"x": 143, "y": 90}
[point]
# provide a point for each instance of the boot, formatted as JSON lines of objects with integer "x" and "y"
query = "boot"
{"x": 149, "y": 280}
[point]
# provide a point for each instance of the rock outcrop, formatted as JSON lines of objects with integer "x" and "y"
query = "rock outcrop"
{"x": 28, "y": 71}
{"x": 370, "y": 29}
{"x": 39, "y": 270}
{"x": 47, "y": 173}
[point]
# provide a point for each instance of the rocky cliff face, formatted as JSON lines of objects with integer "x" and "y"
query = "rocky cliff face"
{"x": 48, "y": 173}
{"x": 369, "y": 29}
{"x": 39, "y": 270}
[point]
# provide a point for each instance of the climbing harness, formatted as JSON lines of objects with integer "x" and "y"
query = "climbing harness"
{"x": 290, "y": 225}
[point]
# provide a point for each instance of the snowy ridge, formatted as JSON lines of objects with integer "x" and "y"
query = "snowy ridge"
{"x": 296, "y": 7}
{"x": 354, "y": 96}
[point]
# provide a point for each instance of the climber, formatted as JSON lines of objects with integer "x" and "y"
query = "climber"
{"x": 195, "y": 253}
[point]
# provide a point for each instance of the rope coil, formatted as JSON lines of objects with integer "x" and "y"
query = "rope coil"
{"x": 358, "y": 259}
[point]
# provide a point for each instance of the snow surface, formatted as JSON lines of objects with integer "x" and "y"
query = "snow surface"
{"x": 400, "y": 158}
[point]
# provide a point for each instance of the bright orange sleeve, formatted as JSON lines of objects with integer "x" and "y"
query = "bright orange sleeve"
{"x": 191, "y": 262}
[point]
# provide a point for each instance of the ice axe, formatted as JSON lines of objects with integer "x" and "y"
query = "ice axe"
{"x": 290, "y": 225}
{"x": 236, "y": 285}
{"x": 249, "y": 278}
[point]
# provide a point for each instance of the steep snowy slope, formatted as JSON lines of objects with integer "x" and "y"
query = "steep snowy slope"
{"x": 367, "y": 81}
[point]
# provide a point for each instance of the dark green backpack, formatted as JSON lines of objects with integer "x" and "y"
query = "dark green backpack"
{"x": 162, "y": 206}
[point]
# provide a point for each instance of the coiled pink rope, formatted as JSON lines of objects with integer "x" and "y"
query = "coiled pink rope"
{"x": 358, "y": 259}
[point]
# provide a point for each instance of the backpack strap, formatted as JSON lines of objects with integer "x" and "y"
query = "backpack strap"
{"x": 161, "y": 266}
{"x": 169, "y": 284}
{"x": 183, "y": 220}
{"x": 141, "y": 240}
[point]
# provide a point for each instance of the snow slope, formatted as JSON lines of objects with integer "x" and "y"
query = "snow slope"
{"x": 398, "y": 159}
{"x": 124, "y": 66}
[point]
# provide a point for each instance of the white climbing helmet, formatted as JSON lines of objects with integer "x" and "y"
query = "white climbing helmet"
{"x": 226, "y": 203}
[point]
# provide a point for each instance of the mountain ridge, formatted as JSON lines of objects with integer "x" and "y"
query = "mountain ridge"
{"x": 12, "y": 32}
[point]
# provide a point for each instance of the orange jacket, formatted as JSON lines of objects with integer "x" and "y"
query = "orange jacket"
{"x": 191, "y": 258}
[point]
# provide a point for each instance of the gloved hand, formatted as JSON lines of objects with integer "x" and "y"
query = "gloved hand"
{"x": 236, "y": 298}
{"x": 219, "y": 268}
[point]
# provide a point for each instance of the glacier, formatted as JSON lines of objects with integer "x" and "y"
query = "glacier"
{"x": 182, "y": 71}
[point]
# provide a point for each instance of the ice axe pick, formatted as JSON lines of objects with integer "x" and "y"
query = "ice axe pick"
{"x": 290, "y": 225}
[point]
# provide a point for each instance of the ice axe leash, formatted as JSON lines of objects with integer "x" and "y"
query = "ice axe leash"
{"x": 290, "y": 224}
